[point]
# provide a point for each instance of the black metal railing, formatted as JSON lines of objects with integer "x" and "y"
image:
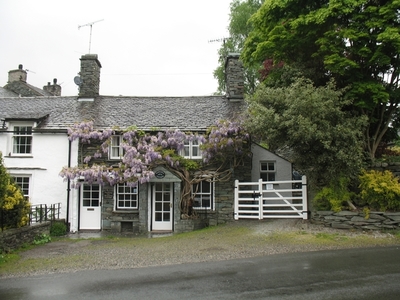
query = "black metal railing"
{"x": 38, "y": 213}
{"x": 44, "y": 212}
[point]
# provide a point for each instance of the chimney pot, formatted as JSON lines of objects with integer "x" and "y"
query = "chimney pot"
{"x": 20, "y": 67}
{"x": 55, "y": 80}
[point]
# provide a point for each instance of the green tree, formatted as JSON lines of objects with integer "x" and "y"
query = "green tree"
{"x": 324, "y": 140}
{"x": 356, "y": 42}
{"x": 239, "y": 29}
{"x": 13, "y": 206}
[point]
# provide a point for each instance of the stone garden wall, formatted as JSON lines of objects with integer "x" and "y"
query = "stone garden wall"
{"x": 11, "y": 239}
{"x": 357, "y": 220}
{"x": 393, "y": 167}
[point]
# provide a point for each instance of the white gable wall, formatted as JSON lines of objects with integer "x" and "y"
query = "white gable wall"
{"x": 260, "y": 154}
{"x": 50, "y": 153}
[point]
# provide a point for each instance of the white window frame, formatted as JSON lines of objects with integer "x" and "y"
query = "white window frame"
{"x": 199, "y": 194}
{"x": 189, "y": 147}
{"x": 15, "y": 137}
{"x": 268, "y": 171}
{"x": 26, "y": 191}
{"x": 126, "y": 195}
{"x": 115, "y": 146}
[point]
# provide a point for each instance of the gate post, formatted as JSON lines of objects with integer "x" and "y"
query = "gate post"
{"x": 260, "y": 200}
{"x": 236, "y": 200}
{"x": 305, "y": 198}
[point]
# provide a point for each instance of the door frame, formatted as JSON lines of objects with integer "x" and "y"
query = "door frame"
{"x": 164, "y": 226}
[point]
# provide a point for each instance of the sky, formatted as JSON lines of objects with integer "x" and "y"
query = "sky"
{"x": 146, "y": 48}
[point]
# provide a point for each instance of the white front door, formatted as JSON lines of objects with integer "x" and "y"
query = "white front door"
{"x": 162, "y": 206}
{"x": 90, "y": 207}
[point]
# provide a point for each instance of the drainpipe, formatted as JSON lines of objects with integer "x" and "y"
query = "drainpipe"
{"x": 68, "y": 185}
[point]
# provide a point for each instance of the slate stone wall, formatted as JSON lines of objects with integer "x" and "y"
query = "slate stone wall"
{"x": 392, "y": 167}
{"x": 357, "y": 220}
{"x": 11, "y": 239}
{"x": 225, "y": 197}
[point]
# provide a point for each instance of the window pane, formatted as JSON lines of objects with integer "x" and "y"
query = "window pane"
{"x": 166, "y": 206}
{"x": 206, "y": 187}
{"x": 195, "y": 151}
{"x": 158, "y": 217}
{"x": 167, "y": 216}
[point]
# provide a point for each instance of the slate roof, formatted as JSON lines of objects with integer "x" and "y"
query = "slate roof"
{"x": 184, "y": 113}
{"x": 6, "y": 93}
{"x": 24, "y": 88}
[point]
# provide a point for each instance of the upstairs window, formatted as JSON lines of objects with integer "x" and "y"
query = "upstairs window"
{"x": 268, "y": 170}
{"x": 116, "y": 151}
{"x": 126, "y": 197}
{"x": 22, "y": 139}
{"x": 203, "y": 193}
{"x": 192, "y": 150}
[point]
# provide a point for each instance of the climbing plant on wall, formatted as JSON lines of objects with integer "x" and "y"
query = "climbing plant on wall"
{"x": 224, "y": 146}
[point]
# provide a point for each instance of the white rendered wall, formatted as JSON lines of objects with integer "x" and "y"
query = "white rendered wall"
{"x": 50, "y": 153}
{"x": 283, "y": 167}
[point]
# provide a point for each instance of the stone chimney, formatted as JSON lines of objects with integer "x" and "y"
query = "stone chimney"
{"x": 54, "y": 89}
{"x": 234, "y": 77}
{"x": 89, "y": 76}
{"x": 17, "y": 75}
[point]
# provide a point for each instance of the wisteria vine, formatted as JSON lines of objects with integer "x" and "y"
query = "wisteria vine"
{"x": 225, "y": 140}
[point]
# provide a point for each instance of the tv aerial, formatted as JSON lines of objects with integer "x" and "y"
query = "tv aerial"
{"x": 224, "y": 39}
{"x": 91, "y": 25}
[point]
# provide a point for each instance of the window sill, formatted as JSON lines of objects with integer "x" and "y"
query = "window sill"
{"x": 19, "y": 156}
{"x": 125, "y": 211}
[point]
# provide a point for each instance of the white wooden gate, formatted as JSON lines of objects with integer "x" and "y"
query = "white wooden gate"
{"x": 271, "y": 199}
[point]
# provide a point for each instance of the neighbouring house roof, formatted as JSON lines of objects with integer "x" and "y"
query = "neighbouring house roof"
{"x": 184, "y": 113}
{"x": 6, "y": 93}
{"x": 25, "y": 89}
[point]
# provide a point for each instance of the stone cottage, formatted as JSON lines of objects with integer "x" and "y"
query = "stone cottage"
{"x": 35, "y": 147}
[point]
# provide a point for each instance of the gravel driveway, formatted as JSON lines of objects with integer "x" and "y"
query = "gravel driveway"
{"x": 239, "y": 239}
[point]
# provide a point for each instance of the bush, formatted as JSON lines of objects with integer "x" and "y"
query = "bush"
{"x": 14, "y": 207}
{"x": 334, "y": 197}
{"x": 58, "y": 229}
{"x": 41, "y": 239}
{"x": 380, "y": 190}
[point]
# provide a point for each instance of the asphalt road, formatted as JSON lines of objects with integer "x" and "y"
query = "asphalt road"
{"x": 372, "y": 273}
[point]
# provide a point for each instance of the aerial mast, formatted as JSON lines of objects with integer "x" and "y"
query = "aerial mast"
{"x": 90, "y": 24}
